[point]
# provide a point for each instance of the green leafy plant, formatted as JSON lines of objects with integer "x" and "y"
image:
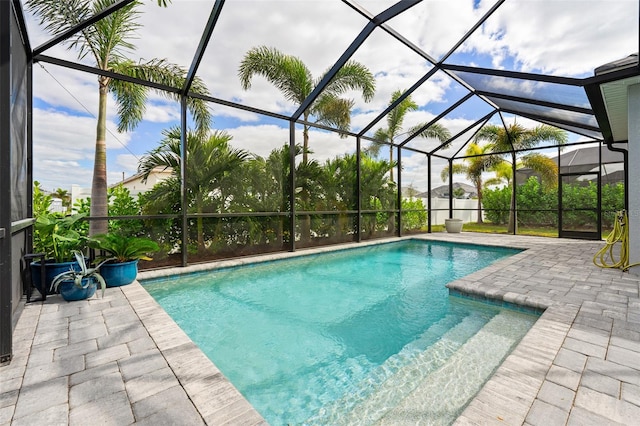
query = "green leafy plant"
{"x": 82, "y": 278}
{"x": 122, "y": 248}
{"x": 41, "y": 201}
{"x": 58, "y": 237}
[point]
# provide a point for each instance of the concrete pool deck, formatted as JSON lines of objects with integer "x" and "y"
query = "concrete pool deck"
{"x": 121, "y": 359}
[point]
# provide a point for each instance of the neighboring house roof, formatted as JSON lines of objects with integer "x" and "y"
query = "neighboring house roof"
{"x": 443, "y": 191}
{"x": 585, "y": 160}
{"x": 135, "y": 185}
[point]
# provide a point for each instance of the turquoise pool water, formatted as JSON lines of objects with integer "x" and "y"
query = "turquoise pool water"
{"x": 349, "y": 337}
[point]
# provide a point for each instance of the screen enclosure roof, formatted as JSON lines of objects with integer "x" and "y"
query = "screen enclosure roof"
{"x": 464, "y": 63}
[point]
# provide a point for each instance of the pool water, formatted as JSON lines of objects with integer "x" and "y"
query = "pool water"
{"x": 361, "y": 336}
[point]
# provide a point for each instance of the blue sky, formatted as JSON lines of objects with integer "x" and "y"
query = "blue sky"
{"x": 561, "y": 37}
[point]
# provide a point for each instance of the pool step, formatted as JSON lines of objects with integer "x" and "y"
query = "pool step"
{"x": 440, "y": 398}
{"x": 388, "y": 384}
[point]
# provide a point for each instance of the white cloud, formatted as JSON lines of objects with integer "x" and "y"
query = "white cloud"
{"x": 64, "y": 144}
{"x": 260, "y": 139}
{"x": 562, "y": 37}
{"x": 128, "y": 163}
{"x": 53, "y": 174}
{"x": 162, "y": 112}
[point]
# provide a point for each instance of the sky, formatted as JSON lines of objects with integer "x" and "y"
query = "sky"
{"x": 558, "y": 37}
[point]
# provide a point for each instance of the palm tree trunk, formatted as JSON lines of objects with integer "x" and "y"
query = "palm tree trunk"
{"x": 305, "y": 222}
{"x": 305, "y": 138}
{"x": 199, "y": 224}
{"x": 479, "y": 191}
{"x": 391, "y": 162}
{"x": 512, "y": 210}
{"x": 99, "y": 183}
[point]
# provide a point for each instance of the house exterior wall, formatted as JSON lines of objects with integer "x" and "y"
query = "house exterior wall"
{"x": 634, "y": 176}
{"x": 135, "y": 185}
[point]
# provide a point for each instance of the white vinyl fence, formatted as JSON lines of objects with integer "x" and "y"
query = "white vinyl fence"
{"x": 438, "y": 216}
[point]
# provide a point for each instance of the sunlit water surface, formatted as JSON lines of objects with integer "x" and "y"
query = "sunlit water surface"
{"x": 361, "y": 336}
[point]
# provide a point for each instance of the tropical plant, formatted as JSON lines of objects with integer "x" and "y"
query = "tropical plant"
{"x": 508, "y": 140}
{"x": 121, "y": 203}
{"x": 82, "y": 278}
{"x": 395, "y": 120}
{"x": 377, "y": 192}
{"x": 476, "y": 164}
{"x": 122, "y": 248}
{"x": 414, "y": 215}
{"x": 211, "y": 162}
{"x": 58, "y": 237}
{"x": 293, "y": 78}
{"x": 503, "y": 173}
{"x": 106, "y": 42}
{"x": 41, "y": 201}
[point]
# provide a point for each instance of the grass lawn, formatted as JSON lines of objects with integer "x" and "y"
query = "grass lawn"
{"x": 490, "y": 228}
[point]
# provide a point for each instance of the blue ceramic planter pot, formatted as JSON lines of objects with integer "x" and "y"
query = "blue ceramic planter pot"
{"x": 118, "y": 274}
{"x": 51, "y": 270}
{"x": 70, "y": 291}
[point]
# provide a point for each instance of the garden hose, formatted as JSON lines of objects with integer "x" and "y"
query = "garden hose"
{"x": 620, "y": 234}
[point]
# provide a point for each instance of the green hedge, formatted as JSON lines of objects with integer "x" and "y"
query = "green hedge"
{"x": 537, "y": 206}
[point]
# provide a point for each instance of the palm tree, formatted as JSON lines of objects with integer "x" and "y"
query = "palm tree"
{"x": 377, "y": 192}
{"x": 64, "y": 196}
{"x": 503, "y": 174}
{"x": 210, "y": 161}
{"x": 476, "y": 163}
{"x": 293, "y": 78}
{"x": 515, "y": 137}
{"x": 395, "y": 119}
{"x": 106, "y": 42}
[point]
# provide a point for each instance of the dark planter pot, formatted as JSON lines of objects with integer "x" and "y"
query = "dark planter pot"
{"x": 51, "y": 269}
{"x": 118, "y": 274}
{"x": 70, "y": 291}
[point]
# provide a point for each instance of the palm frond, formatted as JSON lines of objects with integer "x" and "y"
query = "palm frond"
{"x": 131, "y": 98}
{"x": 352, "y": 76}
{"x": 396, "y": 116}
{"x": 59, "y": 16}
{"x": 457, "y": 169}
{"x": 111, "y": 37}
{"x": 544, "y": 166}
{"x": 333, "y": 111}
{"x": 493, "y": 181}
{"x": 548, "y": 133}
{"x": 288, "y": 73}
{"x": 162, "y": 72}
{"x": 435, "y": 131}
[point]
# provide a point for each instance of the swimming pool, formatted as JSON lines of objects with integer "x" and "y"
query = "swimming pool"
{"x": 360, "y": 336}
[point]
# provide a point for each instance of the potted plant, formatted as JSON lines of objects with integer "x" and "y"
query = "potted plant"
{"x": 122, "y": 256}
{"x": 58, "y": 238}
{"x": 78, "y": 284}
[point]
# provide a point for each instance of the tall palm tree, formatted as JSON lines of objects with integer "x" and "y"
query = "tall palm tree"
{"x": 515, "y": 137}
{"x": 395, "y": 120}
{"x": 293, "y": 78}
{"x": 107, "y": 42}
{"x": 476, "y": 164}
{"x": 210, "y": 161}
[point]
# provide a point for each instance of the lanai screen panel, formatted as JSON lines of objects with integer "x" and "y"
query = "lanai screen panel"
{"x": 19, "y": 121}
